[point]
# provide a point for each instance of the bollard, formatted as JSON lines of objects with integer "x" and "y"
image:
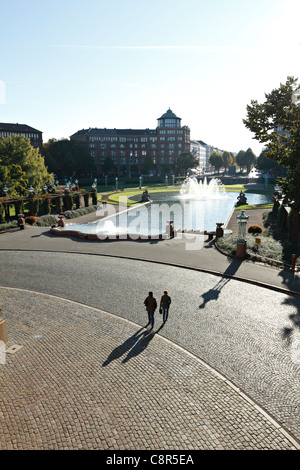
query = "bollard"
{"x": 293, "y": 262}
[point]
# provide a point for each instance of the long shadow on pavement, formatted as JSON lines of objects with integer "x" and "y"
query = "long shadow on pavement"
{"x": 142, "y": 344}
{"x": 136, "y": 344}
{"x": 292, "y": 281}
{"x": 213, "y": 294}
{"x": 126, "y": 346}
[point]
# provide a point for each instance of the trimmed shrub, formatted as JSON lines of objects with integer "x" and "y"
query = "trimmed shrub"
{"x": 2, "y": 214}
{"x": 255, "y": 229}
{"x": 79, "y": 212}
{"x": 8, "y": 225}
{"x": 76, "y": 200}
{"x": 31, "y": 220}
{"x": 47, "y": 221}
{"x": 86, "y": 198}
{"x": 19, "y": 206}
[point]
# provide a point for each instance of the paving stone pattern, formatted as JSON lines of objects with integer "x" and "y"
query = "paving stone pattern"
{"x": 85, "y": 379}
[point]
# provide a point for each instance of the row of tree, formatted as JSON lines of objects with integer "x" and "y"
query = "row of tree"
{"x": 244, "y": 159}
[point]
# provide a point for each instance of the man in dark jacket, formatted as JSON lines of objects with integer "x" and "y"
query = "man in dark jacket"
{"x": 165, "y": 302}
{"x": 151, "y": 306}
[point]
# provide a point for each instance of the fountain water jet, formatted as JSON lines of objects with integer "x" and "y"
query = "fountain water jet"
{"x": 202, "y": 190}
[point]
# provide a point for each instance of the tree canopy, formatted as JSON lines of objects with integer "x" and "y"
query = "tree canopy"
{"x": 216, "y": 160}
{"x": 276, "y": 123}
{"x": 228, "y": 159}
{"x": 147, "y": 164}
{"x": 187, "y": 161}
{"x": 21, "y": 165}
{"x": 68, "y": 157}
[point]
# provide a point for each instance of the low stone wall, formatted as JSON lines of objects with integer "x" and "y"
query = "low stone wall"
{"x": 92, "y": 236}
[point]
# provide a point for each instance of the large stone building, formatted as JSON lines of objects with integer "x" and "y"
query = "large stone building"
{"x": 128, "y": 148}
{"x": 35, "y": 136}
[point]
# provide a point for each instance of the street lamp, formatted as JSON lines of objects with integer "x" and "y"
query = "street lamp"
{"x": 241, "y": 241}
{"x": 117, "y": 179}
{"x": 31, "y": 190}
{"x": 5, "y": 190}
{"x": 166, "y": 181}
{"x": 45, "y": 188}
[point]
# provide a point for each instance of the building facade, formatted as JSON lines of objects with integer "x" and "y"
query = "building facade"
{"x": 35, "y": 136}
{"x": 128, "y": 148}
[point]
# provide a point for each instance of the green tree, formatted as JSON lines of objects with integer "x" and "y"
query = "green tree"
{"x": 147, "y": 164}
{"x": 216, "y": 161}
{"x": 276, "y": 123}
{"x": 68, "y": 157}
{"x": 228, "y": 159}
{"x": 250, "y": 159}
{"x": 266, "y": 164}
{"x": 240, "y": 159}
{"x": 21, "y": 165}
{"x": 109, "y": 166}
{"x": 187, "y": 161}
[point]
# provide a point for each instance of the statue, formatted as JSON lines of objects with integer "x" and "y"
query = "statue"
{"x": 145, "y": 196}
{"x": 241, "y": 200}
{"x": 21, "y": 221}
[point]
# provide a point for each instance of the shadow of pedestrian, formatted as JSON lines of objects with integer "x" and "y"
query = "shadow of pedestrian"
{"x": 142, "y": 344}
{"x": 123, "y": 348}
{"x": 213, "y": 294}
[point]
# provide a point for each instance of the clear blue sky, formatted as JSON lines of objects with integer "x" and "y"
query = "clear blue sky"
{"x": 72, "y": 64}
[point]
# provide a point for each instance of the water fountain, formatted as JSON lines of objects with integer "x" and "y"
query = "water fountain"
{"x": 202, "y": 190}
{"x": 198, "y": 207}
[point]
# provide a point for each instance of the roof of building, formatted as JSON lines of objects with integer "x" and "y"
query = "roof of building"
{"x": 116, "y": 132}
{"x": 16, "y": 127}
{"x": 169, "y": 115}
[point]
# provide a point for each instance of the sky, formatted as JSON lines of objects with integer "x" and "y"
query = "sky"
{"x": 67, "y": 65}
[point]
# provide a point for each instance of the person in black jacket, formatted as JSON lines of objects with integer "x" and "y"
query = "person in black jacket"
{"x": 151, "y": 306}
{"x": 165, "y": 303}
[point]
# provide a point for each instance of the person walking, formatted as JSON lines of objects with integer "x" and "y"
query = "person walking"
{"x": 151, "y": 306}
{"x": 165, "y": 303}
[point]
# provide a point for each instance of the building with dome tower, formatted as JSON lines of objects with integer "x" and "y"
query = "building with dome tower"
{"x": 128, "y": 148}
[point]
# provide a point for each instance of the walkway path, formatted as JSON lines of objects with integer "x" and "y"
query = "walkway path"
{"x": 85, "y": 379}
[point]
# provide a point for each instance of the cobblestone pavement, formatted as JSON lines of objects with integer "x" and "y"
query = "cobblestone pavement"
{"x": 85, "y": 379}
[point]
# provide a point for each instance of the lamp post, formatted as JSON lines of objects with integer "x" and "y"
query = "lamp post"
{"x": 241, "y": 241}
{"x": 140, "y": 182}
{"x": 105, "y": 177}
{"x": 173, "y": 179}
{"x": 5, "y": 190}
{"x": 45, "y": 188}
{"x": 31, "y": 205}
{"x": 117, "y": 180}
{"x": 166, "y": 181}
